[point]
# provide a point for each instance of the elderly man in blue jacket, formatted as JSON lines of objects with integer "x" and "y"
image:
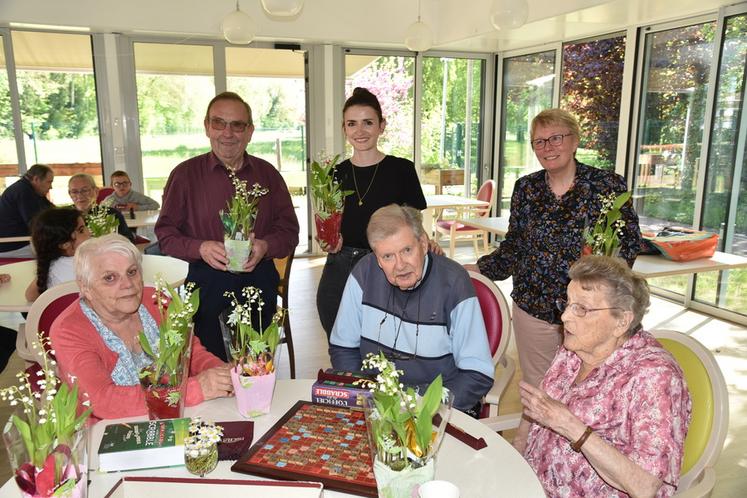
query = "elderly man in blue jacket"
{"x": 418, "y": 308}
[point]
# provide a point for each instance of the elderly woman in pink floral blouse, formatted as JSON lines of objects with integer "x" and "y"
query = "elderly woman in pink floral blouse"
{"x": 612, "y": 412}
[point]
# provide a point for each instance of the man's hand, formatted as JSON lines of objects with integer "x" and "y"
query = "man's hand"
{"x": 215, "y": 382}
{"x": 326, "y": 248}
{"x": 259, "y": 249}
{"x": 213, "y": 253}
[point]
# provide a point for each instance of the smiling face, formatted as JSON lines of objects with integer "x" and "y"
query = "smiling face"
{"x": 82, "y": 193}
{"x": 401, "y": 257}
{"x": 115, "y": 289}
{"x": 228, "y": 145}
{"x": 594, "y": 336}
{"x": 556, "y": 158}
{"x": 362, "y": 127}
{"x": 79, "y": 235}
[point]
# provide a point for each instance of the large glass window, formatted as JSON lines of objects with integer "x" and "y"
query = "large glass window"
{"x": 677, "y": 63}
{"x": 451, "y": 123}
{"x": 725, "y": 197}
{"x": 8, "y": 154}
{"x": 174, "y": 85}
{"x": 591, "y": 89}
{"x": 392, "y": 80}
{"x": 527, "y": 90}
{"x": 272, "y": 82}
{"x": 57, "y": 95}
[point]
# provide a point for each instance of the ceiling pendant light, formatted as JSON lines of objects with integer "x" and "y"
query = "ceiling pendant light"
{"x": 418, "y": 36}
{"x": 238, "y": 27}
{"x": 509, "y": 14}
{"x": 282, "y": 8}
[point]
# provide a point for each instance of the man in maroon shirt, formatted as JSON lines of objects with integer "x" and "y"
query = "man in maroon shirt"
{"x": 189, "y": 226}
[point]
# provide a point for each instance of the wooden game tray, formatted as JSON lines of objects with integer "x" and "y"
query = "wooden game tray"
{"x": 322, "y": 443}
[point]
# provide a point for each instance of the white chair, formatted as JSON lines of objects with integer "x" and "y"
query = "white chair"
{"x": 455, "y": 229}
{"x": 497, "y": 317}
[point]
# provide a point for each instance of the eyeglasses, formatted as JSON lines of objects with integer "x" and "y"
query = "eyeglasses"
{"x": 220, "y": 124}
{"x": 579, "y": 309}
{"x": 120, "y": 184}
{"x": 554, "y": 140}
{"x": 83, "y": 191}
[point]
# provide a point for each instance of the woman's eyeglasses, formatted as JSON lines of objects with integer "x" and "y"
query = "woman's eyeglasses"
{"x": 579, "y": 309}
{"x": 220, "y": 124}
{"x": 554, "y": 140}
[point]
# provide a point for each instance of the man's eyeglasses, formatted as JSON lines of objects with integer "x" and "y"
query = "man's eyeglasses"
{"x": 220, "y": 124}
{"x": 120, "y": 184}
{"x": 554, "y": 140}
{"x": 83, "y": 191}
{"x": 579, "y": 309}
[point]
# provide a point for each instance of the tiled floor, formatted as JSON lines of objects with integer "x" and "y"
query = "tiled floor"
{"x": 726, "y": 340}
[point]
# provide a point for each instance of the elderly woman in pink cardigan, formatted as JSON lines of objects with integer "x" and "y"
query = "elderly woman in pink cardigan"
{"x": 96, "y": 338}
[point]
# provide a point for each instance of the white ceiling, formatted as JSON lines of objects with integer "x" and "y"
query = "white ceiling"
{"x": 457, "y": 24}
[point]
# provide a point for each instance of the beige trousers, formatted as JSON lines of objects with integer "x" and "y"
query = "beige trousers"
{"x": 536, "y": 342}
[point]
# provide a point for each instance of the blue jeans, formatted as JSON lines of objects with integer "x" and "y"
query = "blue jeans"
{"x": 335, "y": 274}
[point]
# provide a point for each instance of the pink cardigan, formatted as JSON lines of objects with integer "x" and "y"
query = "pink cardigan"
{"x": 81, "y": 352}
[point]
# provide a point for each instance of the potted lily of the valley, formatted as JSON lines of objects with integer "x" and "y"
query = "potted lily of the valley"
{"x": 604, "y": 237}
{"x": 238, "y": 221}
{"x": 404, "y": 430}
{"x": 164, "y": 381}
{"x": 46, "y": 437}
{"x": 327, "y": 198}
{"x": 252, "y": 353}
{"x": 100, "y": 221}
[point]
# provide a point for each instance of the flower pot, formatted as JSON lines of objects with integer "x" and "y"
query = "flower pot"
{"x": 403, "y": 483}
{"x": 237, "y": 253}
{"x": 201, "y": 460}
{"x": 165, "y": 401}
{"x": 328, "y": 230}
{"x": 253, "y": 393}
{"x": 71, "y": 481}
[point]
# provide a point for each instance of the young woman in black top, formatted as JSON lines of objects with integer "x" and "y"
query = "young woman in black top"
{"x": 376, "y": 180}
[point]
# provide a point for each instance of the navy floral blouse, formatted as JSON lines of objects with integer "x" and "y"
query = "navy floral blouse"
{"x": 545, "y": 237}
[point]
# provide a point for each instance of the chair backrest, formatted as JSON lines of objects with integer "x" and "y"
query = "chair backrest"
{"x": 495, "y": 313}
{"x": 104, "y": 192}
{"x": 46, "y": 309}
{"x": 283, "y": 266}
{"x": 710, "y": 403}
{"x": 486, "y": 193}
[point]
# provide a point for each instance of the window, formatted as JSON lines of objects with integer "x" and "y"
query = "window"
{"x": 676, "y": 65}
{"x": 272, "y": 82}
{"x": 527, "y": 90}
{"x": 57, "y": 97}
{"x": 591, "y": 89}
{"x": 174, "y": 85}
{"x": 451, "y": 123}
{"x": 8, "y": 154}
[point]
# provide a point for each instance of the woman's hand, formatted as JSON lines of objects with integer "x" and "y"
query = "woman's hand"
{"x": 215, "y": 382}
{"x": 326, "y": 248}
{"x": 551, "y": 413}
{"x": 472, "y": 267}
{"x": 435, "y": 248}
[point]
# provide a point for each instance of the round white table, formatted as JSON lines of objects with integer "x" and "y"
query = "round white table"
{"x": 12, "y": 294}
{"x": 496, "y": 470}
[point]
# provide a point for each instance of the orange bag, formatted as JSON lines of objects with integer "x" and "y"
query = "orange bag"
{"x": 683, "y": 244}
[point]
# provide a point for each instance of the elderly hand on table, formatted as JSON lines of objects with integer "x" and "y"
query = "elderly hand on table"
{"x": 215, "y": 382}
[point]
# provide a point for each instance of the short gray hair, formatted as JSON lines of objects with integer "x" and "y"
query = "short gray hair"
{"x": 96, "y": 246}
{"x": 388, "y": 220}
{"x": 85, "y": 176}
{"x": 622, "y": 288}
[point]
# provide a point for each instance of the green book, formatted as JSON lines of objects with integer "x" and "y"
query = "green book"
{"x": 143, "y": 445}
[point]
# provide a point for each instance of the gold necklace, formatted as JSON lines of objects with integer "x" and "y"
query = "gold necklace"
{"x": 355, "y": 182}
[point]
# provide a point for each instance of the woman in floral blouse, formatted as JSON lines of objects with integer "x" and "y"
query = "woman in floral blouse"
{"x": 612, "y": 413}
{"x": 549, "y": 211}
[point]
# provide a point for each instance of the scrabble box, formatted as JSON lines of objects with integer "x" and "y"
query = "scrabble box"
{"x": 333, "y": 387}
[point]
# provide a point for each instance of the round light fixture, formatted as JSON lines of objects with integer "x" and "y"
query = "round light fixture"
{"x": 418, "y": 37}
{"x": 282, "y": 8}
{"x": 509, "y": 14}
{"x": 238, "y": 27}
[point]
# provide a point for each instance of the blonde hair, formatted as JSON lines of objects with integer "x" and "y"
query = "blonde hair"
{"x": 550, "y": 117}
{"x": 96, "y": 246}
{"x": 84, "y": 176}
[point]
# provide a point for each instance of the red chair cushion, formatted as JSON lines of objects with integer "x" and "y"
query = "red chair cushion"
{"x": 139, "y": 239}
{"x": 104, "y": 192}
{"x": 53, "y": 310}
{"x": 491, "y": 314}
{"x": 446, "y": 225}
{"x": 7, "y": 261}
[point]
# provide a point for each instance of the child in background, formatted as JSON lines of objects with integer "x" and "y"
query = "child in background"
{"x": 124, "y": 198}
